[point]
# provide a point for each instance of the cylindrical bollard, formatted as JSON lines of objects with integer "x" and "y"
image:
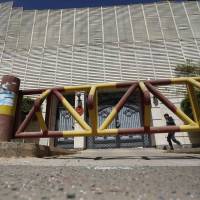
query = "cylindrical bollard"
{"x": 9, "y": 89}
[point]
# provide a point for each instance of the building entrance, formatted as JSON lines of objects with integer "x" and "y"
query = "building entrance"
{"x": 128, "y": 117}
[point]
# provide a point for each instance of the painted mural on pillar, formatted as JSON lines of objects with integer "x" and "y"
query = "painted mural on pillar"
{"x": 7, "y": 97}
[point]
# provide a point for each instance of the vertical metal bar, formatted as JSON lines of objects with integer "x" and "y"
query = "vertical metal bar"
{"x": 93, "y": 111}
{"x": 147, "y": 106}
{"x": 74, "y": 27}
{"x": 18, "y": 112}
{"x": 141, "y": 108}
{"x": 48, "y": 111}
{"x": 194, "y": 103}
{"x": 88, "y": 43}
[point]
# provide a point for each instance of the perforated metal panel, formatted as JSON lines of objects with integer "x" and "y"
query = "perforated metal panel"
{"x": 5, "y": 13}
{"x": 195, "y": 25}
{"x": 109, "y": 25}
{"x": 39, "y": 29}
{"x": 67, "y": 26}
{"x": 123, "y": 24}
{"x": 6, "y": 53}
{"x": 53, "y": 29}
{"x": 96, "y": 64}
{"x": 95, "y": 25}
{"x": 33, "y": 66}
{"x": 26, "y": 31}
{"x": 48, "y": 70}
{"x": 13, "y": 29}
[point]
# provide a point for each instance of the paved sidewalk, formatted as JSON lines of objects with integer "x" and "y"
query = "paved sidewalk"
{"x": 119, "y": 174}
{"x": 112, "y": 158}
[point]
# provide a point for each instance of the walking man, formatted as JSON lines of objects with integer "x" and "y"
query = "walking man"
{"x": 171, "y": 135}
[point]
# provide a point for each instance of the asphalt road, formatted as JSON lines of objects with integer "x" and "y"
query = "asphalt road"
{"x": 103, "y": 174}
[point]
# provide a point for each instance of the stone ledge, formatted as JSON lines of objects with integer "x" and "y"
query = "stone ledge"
{"x": 14, "y": 149}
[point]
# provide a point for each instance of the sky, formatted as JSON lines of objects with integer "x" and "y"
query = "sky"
{"x": 57, "y": 4}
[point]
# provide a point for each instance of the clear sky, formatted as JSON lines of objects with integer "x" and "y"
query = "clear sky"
{"x": 56, "y": 4}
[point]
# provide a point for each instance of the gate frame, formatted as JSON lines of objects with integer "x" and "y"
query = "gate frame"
{"x": 144, "y": 86}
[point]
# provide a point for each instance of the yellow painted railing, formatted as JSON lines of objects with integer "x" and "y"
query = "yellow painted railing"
{"x": 90, "y": 128}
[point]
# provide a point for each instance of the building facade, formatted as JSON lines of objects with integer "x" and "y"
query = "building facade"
{"x": 47, "y": 48}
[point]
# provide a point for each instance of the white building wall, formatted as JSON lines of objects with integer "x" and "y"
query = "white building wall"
{"x": 47, "y": 48}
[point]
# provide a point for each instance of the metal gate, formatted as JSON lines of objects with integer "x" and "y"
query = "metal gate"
{"x": 130, "y": 95}
{"x": 64, "y": 121}
{"x": 128, "y": 117}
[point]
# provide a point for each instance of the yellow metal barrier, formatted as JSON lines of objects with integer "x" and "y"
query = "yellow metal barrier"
{"x": 92, "y": 129}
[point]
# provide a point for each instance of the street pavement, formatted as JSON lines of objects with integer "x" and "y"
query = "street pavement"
{"x": 103, "y": 174}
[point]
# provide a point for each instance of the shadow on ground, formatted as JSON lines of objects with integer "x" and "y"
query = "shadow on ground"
{"x": 125, "y": 157}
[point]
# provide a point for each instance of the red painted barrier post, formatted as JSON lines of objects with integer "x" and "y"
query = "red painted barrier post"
{"x": 9, "y": 89}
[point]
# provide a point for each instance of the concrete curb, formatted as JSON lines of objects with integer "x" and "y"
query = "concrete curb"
{"x": 14, "y": 149}
{"x": 185, "y": 150}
